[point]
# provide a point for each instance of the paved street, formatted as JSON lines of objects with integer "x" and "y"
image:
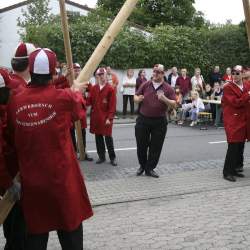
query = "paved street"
{"x": 189, "y": 207}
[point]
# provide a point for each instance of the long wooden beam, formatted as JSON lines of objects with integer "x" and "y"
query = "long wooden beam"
{"x": 107, "y": 41}
{"x": 246, "y": 5}
{"x": 68, "y": 52}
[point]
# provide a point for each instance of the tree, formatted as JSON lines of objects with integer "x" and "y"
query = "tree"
{"x": 37, "y": 13}
{"x": 155, "y": 12}
{"x": 181, "y": 46}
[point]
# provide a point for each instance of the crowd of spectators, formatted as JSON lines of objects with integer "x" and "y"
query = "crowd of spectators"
{"x": 193, "y": 92}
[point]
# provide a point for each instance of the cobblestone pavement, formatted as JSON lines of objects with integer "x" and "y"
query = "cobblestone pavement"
{"x": 189, "y": 207}
{"x": 103, "y": 172}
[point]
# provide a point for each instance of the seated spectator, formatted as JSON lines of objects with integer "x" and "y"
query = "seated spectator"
{"x": 140, "y": 79}
{"x": 197, "y": 79}
{"x": 179, "y": 97}
{"x": 192, "y": 108}
{"x": 199, "y": 89}
{"x": 215, "y": 76}
{"x": 173, "y": 114}
{"x": 184, "y": 83}
{"x": 172, "y": 77}
{"x": 128, "y": 86}
{"x": 208, "y": 92}
{"x": 228, "y": 76}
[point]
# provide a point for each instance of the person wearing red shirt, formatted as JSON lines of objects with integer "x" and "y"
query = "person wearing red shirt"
{"x": 53, "y": 196}
{"x": 102, "y": 99}
{"x": 151, "y": 125}
{"x": 20, "y": 66}
{"x": 14, "y": 226}
{"x": 235, "y": 104}
{"x": 77, "y": 70}
{"x": 184, "y": 83}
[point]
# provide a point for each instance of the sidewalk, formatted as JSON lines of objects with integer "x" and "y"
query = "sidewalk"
{"x": 195, "y": 209}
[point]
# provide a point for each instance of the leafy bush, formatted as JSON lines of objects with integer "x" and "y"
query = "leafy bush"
{"x": 180, "y": 46}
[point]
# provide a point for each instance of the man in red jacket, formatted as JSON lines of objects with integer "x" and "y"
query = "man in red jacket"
{"x": 14, "y": 225}
{"x": 54, "y": 196}
{"x": 77, "y": 70}
{"x": 20, "y": 66}
{"x": 235, "y": 101}
{"x": 102, "y": 99}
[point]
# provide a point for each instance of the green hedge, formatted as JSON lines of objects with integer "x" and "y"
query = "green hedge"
{"x": 180, "y": 46}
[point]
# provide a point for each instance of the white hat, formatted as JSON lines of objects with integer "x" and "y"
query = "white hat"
{"x": 238, "y": 68}
{"x": 76, "y": 66}
{"x": 23, "y": 50}
{"x": 2, "y": 82}
{"x": 42, "y": 62}
{"x": 101, "y": 71}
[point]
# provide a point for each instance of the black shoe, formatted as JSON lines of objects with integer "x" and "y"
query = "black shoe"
{"x": 229, "y": 178}
{"x": 140, "y": 171}
{"x": 113, "y": 162}
{"x": 152, "y": 173}
{"x": 100, "y": 161}
{"x": 239, "y": 169}
{"x": 239, "y": 175}
{"x": 87, "y": 158}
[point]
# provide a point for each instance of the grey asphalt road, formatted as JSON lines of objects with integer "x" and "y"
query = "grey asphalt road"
{"x": 182, "y": 144}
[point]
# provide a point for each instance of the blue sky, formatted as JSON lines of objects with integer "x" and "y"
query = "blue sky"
{"x": 217, "y": 11}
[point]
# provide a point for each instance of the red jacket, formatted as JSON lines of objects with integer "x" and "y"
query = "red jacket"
{"x": 61, "y": 82}
{"x": 16, "y": 83}
{"x": 9, "y": 168}
{"x": 5, "y": 175}
{"x": 103, "y": 107}
{"x": 236, "y": 115}
{"x": 54, "y": 195}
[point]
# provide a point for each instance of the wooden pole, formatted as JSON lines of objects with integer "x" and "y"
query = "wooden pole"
{"x": 246, "y": 4}
{"x": 6, "y": 204}
{"x": 68, "y": 52}
{"x": 107, "y": 41}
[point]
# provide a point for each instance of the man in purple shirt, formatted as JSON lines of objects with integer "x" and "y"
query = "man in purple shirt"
{"x": 184, "y": 83}
{"x": 155, "y": 97}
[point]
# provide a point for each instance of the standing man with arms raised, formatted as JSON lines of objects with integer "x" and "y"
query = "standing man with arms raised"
{"x": 235, "y": 103}
{"x": 54, "y": 196}
{"x": 151, "y": 125}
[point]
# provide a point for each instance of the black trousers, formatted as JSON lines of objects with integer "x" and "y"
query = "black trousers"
{"x": 100, "y": 146}
{"x": 73, "y": 137}
{"x": 125, "y": 104}
{"x": 68, "y": 240}
{"x": 150, "y": 135}
{"x": 234, "y": 158}
{"x": 14, "y": 229}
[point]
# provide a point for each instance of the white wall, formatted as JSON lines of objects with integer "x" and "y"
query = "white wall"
{"x": 9, "y": 37}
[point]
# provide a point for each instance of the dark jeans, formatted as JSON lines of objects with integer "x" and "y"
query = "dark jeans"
{"x": 234, "y": 158}
{"x": 125, "y": 104}
{"x": 68, "y": 240}
{"x": 213, "y": 111}
{"x": 73, "y": 137}
{"x": 100, "y": 146}
{"x": 14, "y": 229}
{"x": 150, "y": 135}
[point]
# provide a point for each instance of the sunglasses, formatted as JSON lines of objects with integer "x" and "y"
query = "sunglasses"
{"x": 236, "y": 73}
